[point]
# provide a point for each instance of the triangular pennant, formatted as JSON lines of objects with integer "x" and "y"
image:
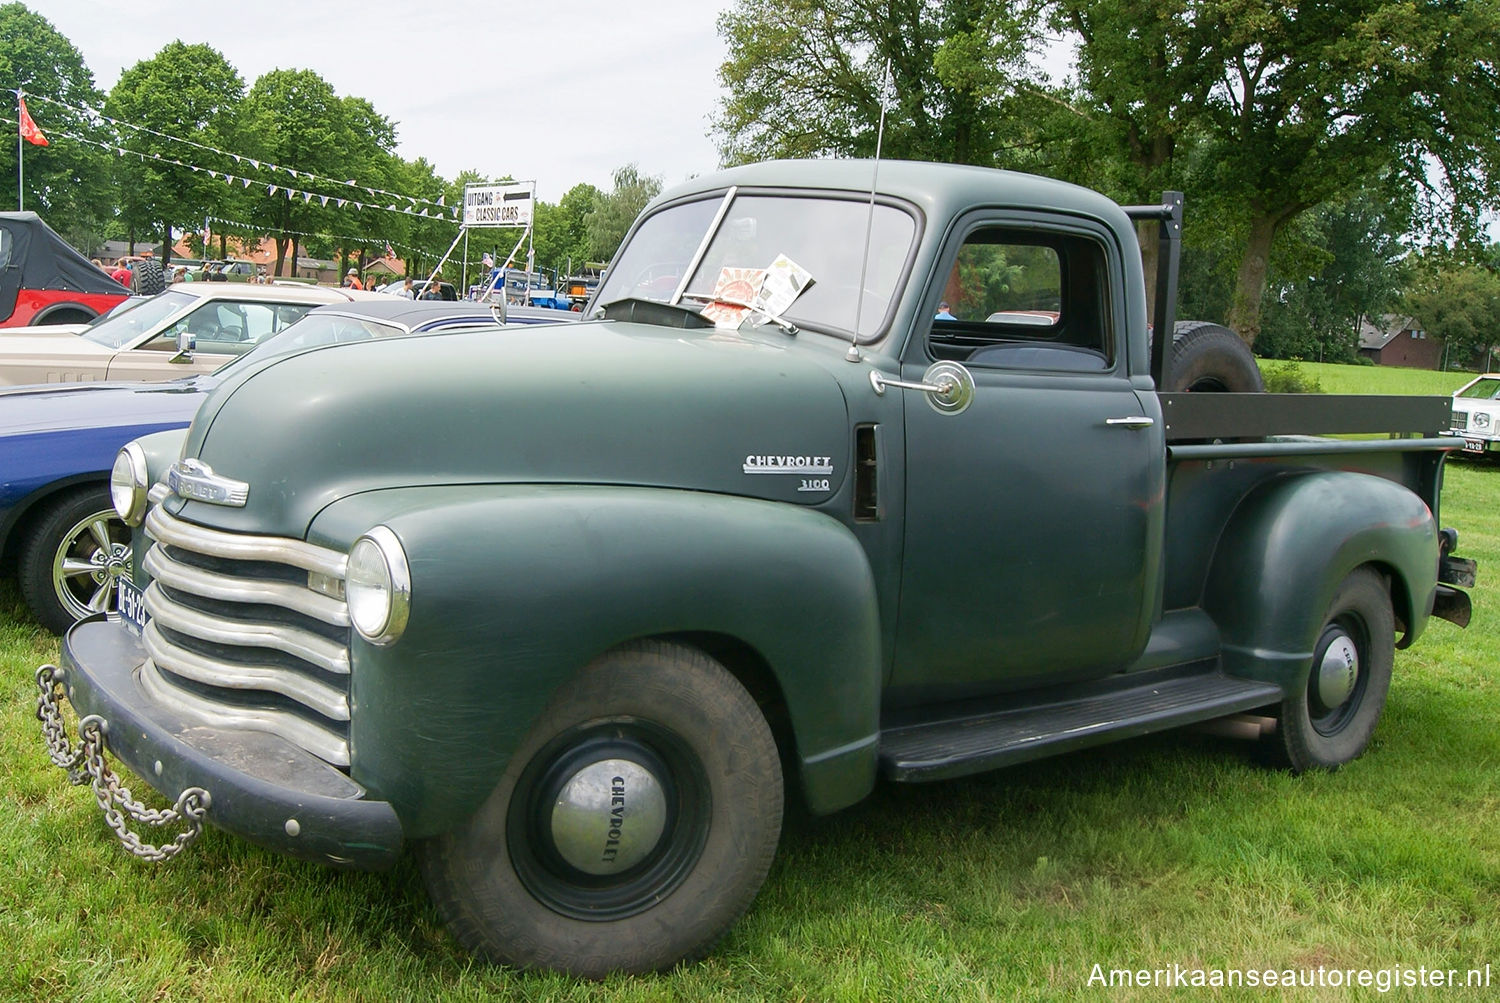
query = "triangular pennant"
{"x": 306, "y": 197}
{"x": 342, "y": 202}
{"x": 255, "y": 163}
{"x": 246, "y": 182}
{"x": 236, "y": 157}
{"x": 324, "y": 199}
{"x": 270, "y": 189}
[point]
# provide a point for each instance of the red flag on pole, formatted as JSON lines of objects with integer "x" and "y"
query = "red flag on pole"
{"x": 29, "y": 131}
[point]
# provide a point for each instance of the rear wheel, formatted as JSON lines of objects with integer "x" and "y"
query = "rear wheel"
{"x": 72, "y": 558}
{"x": 632, "y": 827}
{"x": 1329, "y": 721}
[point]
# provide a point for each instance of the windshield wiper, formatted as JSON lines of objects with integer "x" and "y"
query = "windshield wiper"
{"x": 774, "y": 318}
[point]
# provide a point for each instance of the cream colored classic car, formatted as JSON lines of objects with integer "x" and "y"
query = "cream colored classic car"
{"x": 143, "y": 343}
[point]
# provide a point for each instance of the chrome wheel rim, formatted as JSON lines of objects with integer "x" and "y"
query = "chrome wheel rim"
{"x": 88, "y": 563}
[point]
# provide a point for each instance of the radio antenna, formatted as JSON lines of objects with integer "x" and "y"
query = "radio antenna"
{"x": 864, "y": 260}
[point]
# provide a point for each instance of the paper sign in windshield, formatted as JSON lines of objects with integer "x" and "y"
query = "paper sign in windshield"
{"x": 738, "y": 285}
{"x": 784, "y": 282}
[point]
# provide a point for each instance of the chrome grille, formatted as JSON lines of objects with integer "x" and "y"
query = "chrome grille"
{"x": 1460, "y": 420}
{"x": 237, "y": 637}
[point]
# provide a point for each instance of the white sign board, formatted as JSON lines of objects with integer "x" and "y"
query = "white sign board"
{"x": 499, "y": 205}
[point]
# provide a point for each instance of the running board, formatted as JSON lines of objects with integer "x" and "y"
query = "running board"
{"x": 1123, "y": 707}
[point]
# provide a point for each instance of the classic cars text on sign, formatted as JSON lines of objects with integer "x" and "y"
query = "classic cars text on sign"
{"x": 498, "y": 205}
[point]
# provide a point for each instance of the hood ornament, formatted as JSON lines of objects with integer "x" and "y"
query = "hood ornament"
{"x": 196, "y": 481}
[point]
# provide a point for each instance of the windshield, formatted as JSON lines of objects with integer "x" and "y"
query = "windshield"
{"x": 122, "y": 328}
{"x": 313, "y": 330}
{"x": 800, "y": 256}
{"x": 1483, "y": 390}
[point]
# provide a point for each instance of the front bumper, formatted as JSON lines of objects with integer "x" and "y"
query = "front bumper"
{"x": 262, "y": 787}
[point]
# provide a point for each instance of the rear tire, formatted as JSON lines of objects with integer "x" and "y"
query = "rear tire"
{"x": 146, "y": 278}
{"x": 1329, "y": 721}
{"x": 1210, "y": 358}
{"x": 633, "y": 825}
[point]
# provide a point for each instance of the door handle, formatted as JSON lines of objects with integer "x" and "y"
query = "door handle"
{"x": 1134, "y": 421}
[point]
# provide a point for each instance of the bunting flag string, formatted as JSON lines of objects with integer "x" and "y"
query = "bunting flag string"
{"x": 341, "y": 239}
{"x": 96, "y": 116}
{"x": 231, "y": 179}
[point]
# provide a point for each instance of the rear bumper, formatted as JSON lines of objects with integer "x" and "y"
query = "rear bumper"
{"x": 262, "y": 787}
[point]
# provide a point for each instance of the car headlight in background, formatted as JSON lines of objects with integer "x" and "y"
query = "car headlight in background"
{"x": 377, "y": 586}
{"x": 1481, "y": 419}
{"x": 127, "y": 484}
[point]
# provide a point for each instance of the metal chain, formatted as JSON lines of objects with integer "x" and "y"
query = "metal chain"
{"x": 86, "y": 763}
{"x": 49, "y": 711}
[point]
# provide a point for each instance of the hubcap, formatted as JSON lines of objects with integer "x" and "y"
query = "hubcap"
{"x": 609, "y": 816}
{"x": 89, "y": 561}
{"x": 1338, "y": 672}
{"x": 1336, "y": 683}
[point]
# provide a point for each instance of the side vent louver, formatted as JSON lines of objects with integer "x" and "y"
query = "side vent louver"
{"x": 866, "y": 473}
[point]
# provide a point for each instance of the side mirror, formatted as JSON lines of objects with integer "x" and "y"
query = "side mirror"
{"x": 186, "y": 342}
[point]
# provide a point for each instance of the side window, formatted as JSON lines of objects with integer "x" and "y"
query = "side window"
{"x": 1018, "y": 299}
{"x": 7, "y": 242}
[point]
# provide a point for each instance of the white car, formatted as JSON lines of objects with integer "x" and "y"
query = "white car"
{"x": 222, "y": 320}
{"x": 1476, "y": 414}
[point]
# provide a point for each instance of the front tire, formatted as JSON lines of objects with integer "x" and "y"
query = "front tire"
{"x": 632, "y": 827}
{"x": 72, "y": 558}
{"x": 1329, "y": 721}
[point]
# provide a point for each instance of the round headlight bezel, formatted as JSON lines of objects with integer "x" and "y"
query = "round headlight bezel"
{"x": 377, "y": 586}
{"x": 1481, "y": 419}
{"x": 128, "y": 484}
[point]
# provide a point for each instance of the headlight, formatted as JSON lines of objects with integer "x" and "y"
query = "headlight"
{"x": 127, "y": 484}
{"x": 377, "y": 586}
{"x": 1481, "y": 419}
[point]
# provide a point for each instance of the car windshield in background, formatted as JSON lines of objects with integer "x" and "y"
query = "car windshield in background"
{"x": 1483, "y": 390}
{"x": 123, "y": 328}
{"x": 314, "y": 330}
{"x": 817, "y": 242}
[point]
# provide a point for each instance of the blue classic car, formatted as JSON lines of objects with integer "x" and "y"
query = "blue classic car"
{"x": 59, "y": 534}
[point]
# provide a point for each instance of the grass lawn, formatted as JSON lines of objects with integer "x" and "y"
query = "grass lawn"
{"x": 1173, "y": 849}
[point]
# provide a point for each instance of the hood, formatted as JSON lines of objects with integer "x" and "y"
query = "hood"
{"x": 48, "y": 408}
{"x": 598, "y": 402}
{"x": 49, "y": 339}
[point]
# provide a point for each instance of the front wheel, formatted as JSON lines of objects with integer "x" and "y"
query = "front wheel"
{"x": 1329, "y": 721}
{"x": 633, "y": 826}
{"x": 72, "y": 559}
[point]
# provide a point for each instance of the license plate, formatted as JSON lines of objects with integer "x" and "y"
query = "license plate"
{"x": 132, "y": 606}
{"x": 1473, "y": 445}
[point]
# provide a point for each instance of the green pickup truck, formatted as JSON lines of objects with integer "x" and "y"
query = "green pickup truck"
{"x": 852, "y": 473}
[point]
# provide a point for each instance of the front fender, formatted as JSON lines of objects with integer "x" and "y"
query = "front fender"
{"x": 515, "y": 588}
{"x": 1287, "y": 547}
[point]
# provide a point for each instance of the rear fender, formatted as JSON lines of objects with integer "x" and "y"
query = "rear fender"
{"x": 514, "y": 589}
{"x": 1287, "y": 547}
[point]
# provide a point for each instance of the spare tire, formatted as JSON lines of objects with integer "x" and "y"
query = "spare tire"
{"x": 1211, "y": 358}
{"x": 146, "y": 278}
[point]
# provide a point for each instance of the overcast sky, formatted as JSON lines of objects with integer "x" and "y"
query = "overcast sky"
{"x": 557, "y": 93}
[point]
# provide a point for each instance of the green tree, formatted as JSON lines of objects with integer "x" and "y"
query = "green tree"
{"x": 1347, "y": 263}
{"x": 561, "y": 230}
{"x": 606, "y": 223}
{"x": 369, "y": 147}
{"x": 1459, "y": 303}
{"x": 804, "y": 77}
{"x": 296, "y": 121}
{"x": 188, "y": 92}
{"x": 1299, "y": 105}
{"x": 66, "y": 181}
